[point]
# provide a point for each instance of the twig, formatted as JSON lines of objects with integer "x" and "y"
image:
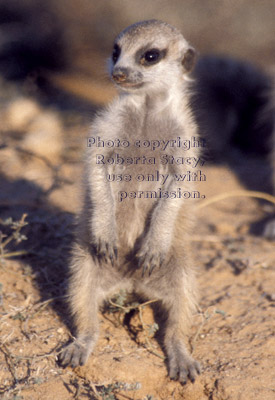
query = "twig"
{"x": 93, "y": 386}
{"x": 238, "y": 193}
{"x": 129, "y": 308}
{"x": 124, "y": 396}
{"x": 147, "y": 302}
{"x": 14, "y": 254}
{"x": 38, "y": 356}
{"x": 9, "y": 360}
{"x": 21, "y": 223}
{"x": 37, "y": 305}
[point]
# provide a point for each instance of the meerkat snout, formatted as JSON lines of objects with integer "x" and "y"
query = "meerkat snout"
{"x": 127, "y": 77}
{"x": 119, "y": 74}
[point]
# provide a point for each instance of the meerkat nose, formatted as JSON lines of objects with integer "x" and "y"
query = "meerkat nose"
{"x": 119, "y": 74}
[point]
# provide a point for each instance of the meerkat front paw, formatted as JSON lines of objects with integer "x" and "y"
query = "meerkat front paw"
{"x": 149, "y": 261}
{"x": 150, "y": 256}
{"x": 105, "y": 251}
{"x": 104, "y": 241}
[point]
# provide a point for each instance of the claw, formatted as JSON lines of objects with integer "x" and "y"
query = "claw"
{"x": 74, "y": 354}
{"x": 99, "y": 247}
{"x": 112, "y": 257}
{"x": 105, "y": 252}
{"x": 149, "y": 264}
{"x": 151, "y": 269}
{"x": 161, "y": 261}
{"x": 194, "y": 371}
{"x": 141, "y": 262}
{"x": 144, "y": 269}
{"x": 182, "y": 367}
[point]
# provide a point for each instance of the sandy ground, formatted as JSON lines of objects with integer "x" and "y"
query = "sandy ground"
{"x": 232, "y": 335}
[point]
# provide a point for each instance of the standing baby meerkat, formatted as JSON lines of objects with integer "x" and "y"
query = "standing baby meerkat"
{"x": 133, "y": 226}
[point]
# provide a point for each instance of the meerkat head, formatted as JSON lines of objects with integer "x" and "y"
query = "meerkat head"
{"x": 150, "y": 55}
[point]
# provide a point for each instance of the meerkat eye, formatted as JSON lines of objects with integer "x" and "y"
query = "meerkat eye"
{"x": 151, "y": 56}
{"x": 116, "y": 53}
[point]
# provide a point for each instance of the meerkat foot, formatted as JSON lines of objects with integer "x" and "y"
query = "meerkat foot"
{"x": 182, "y": 366}
{"x": 75, "y": 354}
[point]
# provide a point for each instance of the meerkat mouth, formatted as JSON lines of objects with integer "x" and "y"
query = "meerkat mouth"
{"x": 130, "y": 85}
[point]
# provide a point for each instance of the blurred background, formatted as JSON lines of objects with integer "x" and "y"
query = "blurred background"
{"x": 52, "y": 80}
{"x": 77, "y": 35}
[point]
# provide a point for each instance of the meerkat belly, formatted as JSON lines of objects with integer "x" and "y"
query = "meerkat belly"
{"x": 136, "y": 189}
{"x": 139, "y": 172}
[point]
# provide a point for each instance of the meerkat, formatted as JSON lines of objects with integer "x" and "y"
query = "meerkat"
{"x": 133, "y": 226}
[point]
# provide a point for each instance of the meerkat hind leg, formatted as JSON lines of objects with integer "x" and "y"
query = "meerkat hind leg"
{"x": 84, "y": 302}
{"x": 181, "y": 365}
{"x": 174, "y": 312}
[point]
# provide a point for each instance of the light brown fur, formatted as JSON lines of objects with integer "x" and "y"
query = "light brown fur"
{"x": 138, "y": 244}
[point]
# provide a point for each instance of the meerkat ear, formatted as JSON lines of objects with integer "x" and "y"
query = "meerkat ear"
{"x": 189, "y": 59}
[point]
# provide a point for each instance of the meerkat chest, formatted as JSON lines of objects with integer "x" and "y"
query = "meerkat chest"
{"x": 146, "y": 140}
{"x": 147, "y": 135}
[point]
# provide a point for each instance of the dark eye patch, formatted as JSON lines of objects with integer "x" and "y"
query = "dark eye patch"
{"x": 150, "y": 56}
{"x": 116, "y": 53}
